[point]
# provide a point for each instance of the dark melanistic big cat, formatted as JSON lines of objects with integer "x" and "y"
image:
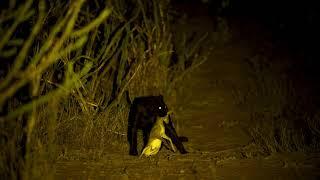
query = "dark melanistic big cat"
{"x": 142, "y": 115}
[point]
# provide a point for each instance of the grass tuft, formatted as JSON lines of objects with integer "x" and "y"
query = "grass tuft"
{"x": 62, "y": 84}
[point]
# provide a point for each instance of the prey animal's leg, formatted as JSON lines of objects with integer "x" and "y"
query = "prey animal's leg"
{"x": 143, "y": 152}
{"x": 171, "y": 132}
{"x": 167, "y": 138}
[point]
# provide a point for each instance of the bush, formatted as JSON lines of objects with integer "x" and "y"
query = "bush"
{"x": 62, "y": 84}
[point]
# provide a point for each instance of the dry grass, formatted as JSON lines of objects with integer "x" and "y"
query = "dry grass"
{"x": 74, "y": 68}
{"x": 283, "y": 117}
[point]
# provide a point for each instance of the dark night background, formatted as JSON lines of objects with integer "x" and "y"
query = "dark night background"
{"x": 293, "y": 25}
{"x": 295, "y": 22}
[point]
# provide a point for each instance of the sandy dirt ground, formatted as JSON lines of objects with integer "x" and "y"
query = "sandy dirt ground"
{"x": 218, "y": 147}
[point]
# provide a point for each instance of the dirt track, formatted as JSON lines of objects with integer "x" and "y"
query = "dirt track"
{"x": 210, "y": 119}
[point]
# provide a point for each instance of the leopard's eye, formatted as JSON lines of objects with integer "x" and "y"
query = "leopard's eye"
{"x": 159, "y": 107}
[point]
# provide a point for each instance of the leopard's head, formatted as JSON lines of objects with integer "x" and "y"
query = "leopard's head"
{"x": 161, "y": 107}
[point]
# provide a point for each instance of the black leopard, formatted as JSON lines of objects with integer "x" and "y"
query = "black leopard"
{"x": 143, "y": 114}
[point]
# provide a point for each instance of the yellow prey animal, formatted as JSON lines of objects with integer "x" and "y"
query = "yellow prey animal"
{"x": 155, "y": 138}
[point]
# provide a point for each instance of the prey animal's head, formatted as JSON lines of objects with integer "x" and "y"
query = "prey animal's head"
{"x": 166, "y": 118}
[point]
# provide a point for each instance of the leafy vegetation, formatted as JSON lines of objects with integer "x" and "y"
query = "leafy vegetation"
{"x": 62, "y": 83}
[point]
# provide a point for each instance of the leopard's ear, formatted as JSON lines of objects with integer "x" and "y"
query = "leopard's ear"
{"x": 160, "y": 97}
